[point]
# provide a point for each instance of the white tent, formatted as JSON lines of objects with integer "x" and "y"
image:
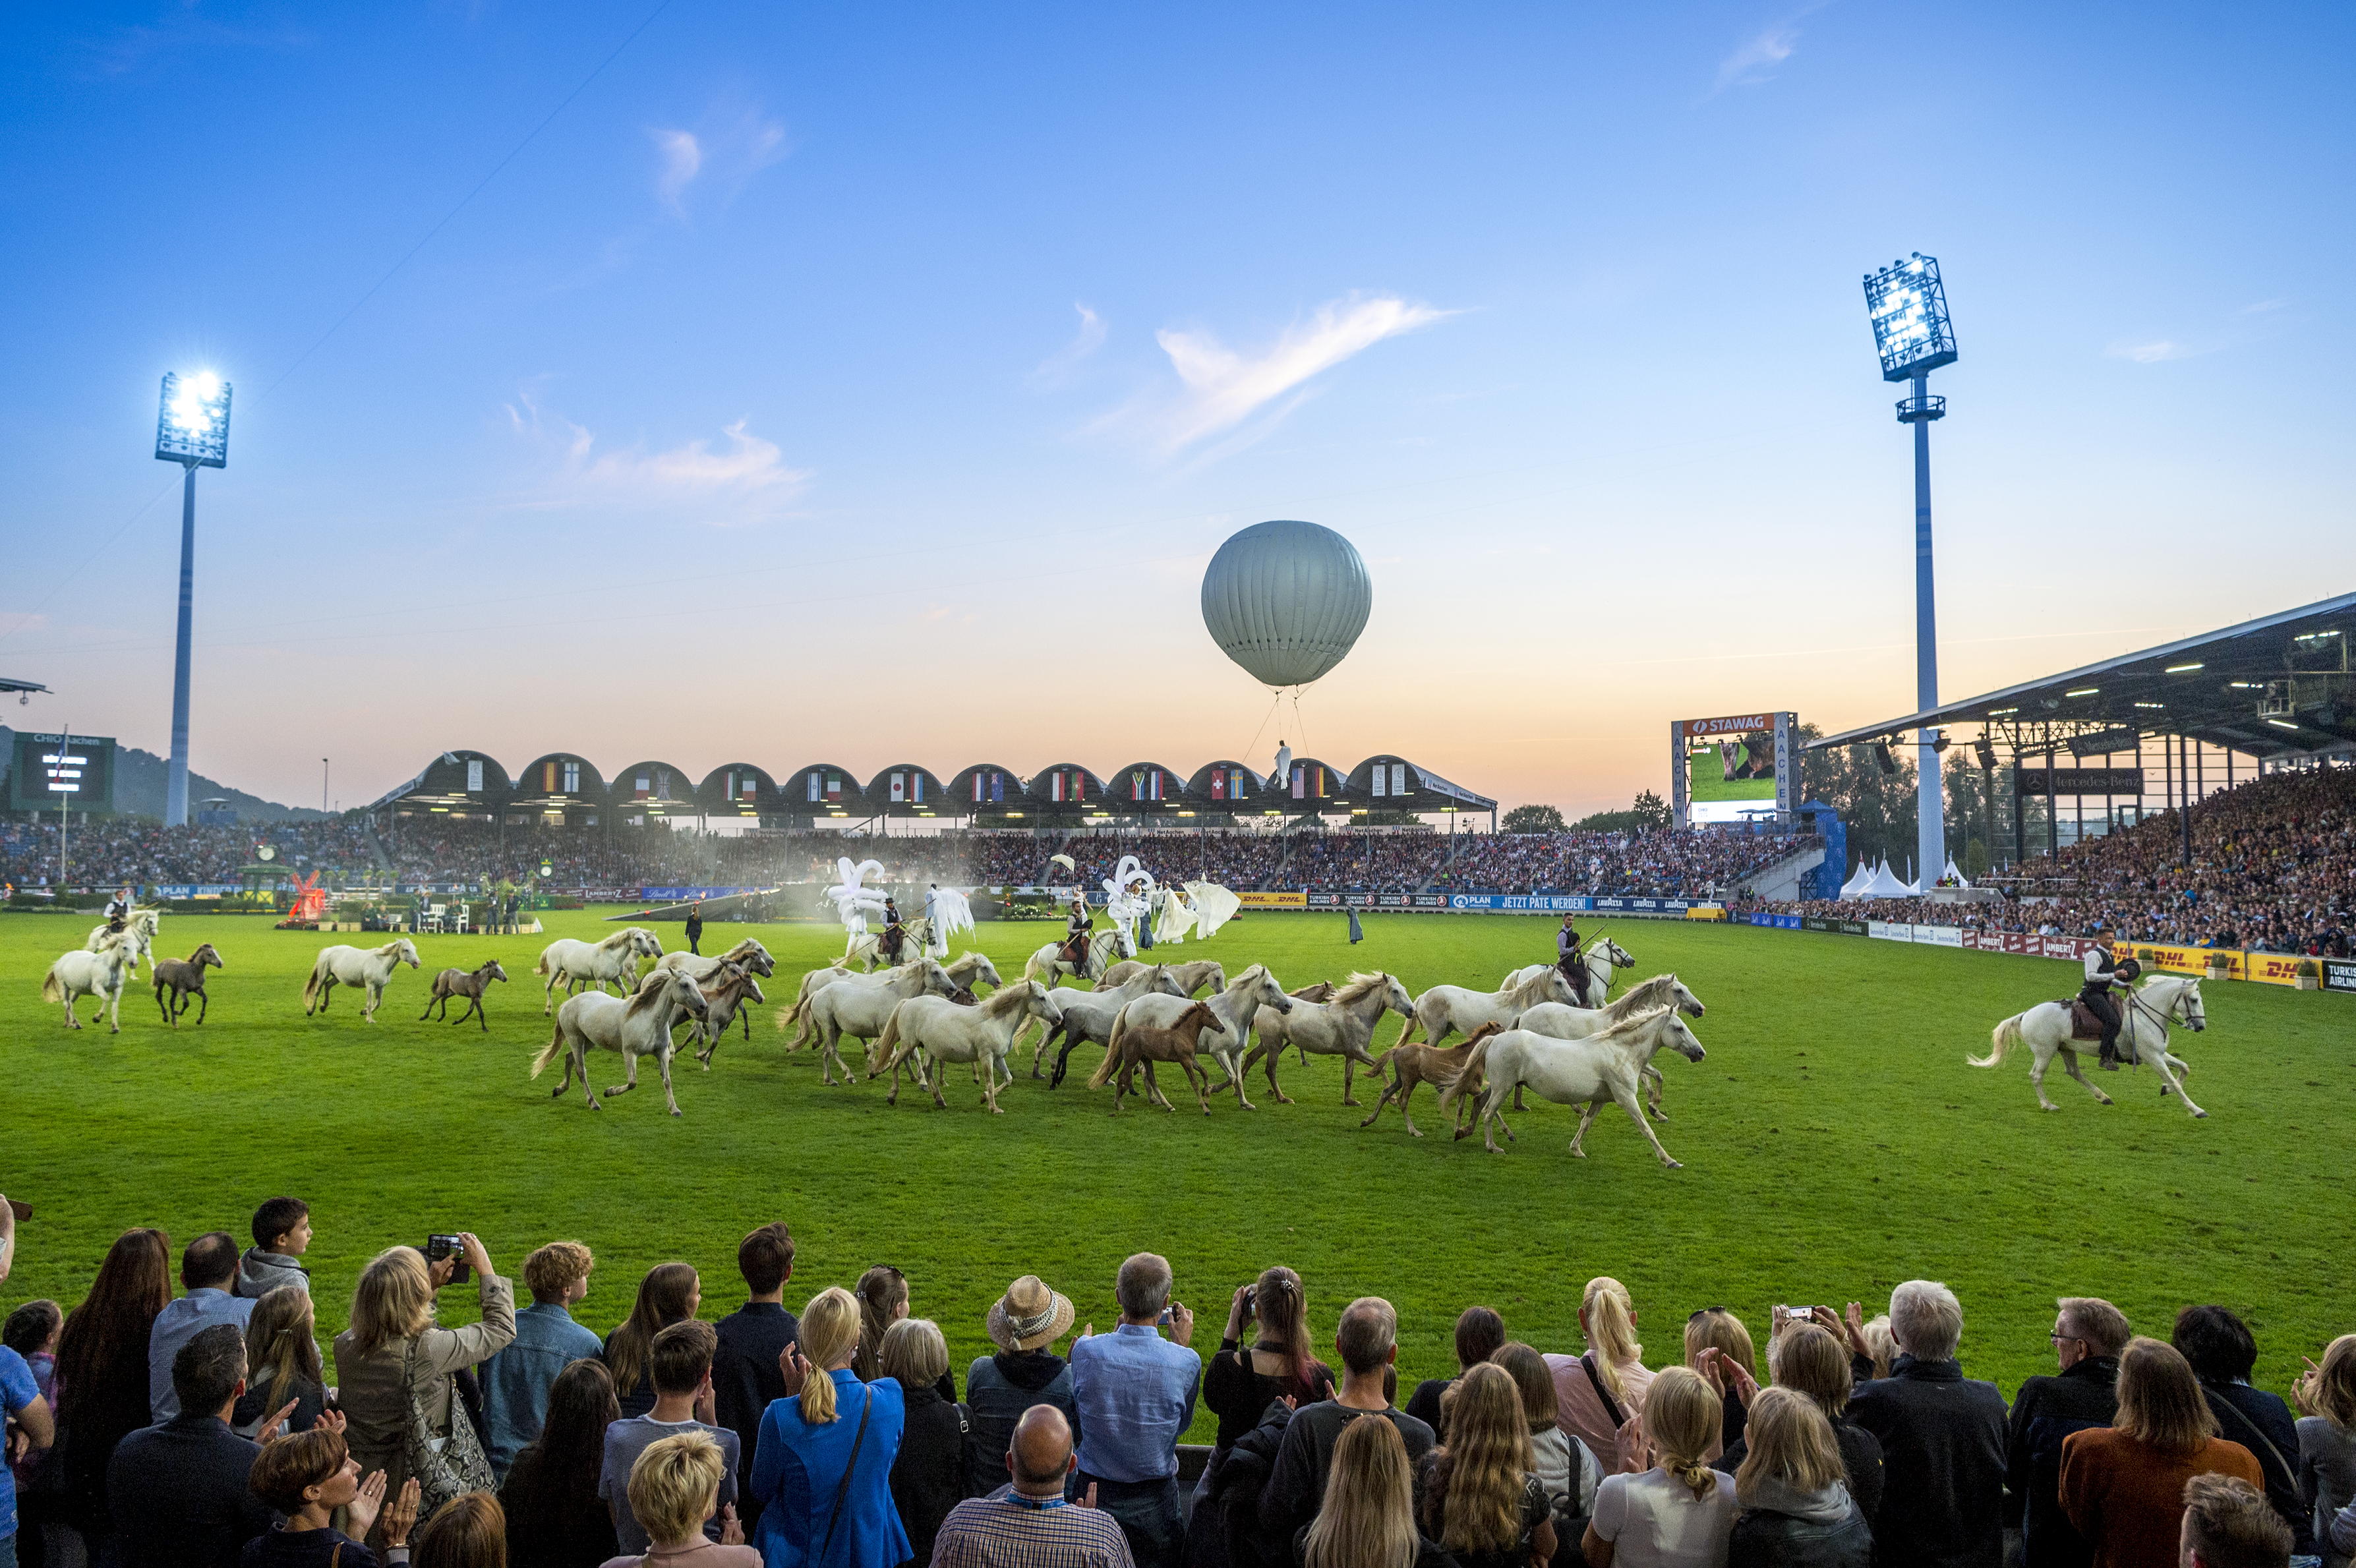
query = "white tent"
{"x": 1954, "y": 878}
{"x": 1858, "y": 880}
{"x": 1886, "y": 885}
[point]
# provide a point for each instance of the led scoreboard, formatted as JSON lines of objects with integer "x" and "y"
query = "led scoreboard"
{"x": 76, "y": 772}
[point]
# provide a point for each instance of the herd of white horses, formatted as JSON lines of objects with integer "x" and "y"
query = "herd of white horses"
{"x": 1531, "y": 1034}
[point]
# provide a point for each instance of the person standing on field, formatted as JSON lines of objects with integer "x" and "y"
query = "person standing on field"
{"x": 695, "y": 926}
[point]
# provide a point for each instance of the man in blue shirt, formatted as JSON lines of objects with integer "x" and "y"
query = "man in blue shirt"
{"x": 1136, "y": 1393}
{"x": 517, "y": 1380}
{"x": 207, "y": 1269}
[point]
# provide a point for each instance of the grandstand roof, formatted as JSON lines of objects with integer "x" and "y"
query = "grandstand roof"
{"x": 2279, "y": 686}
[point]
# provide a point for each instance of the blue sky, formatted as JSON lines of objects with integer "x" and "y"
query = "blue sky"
{"x": 872, "y": 386}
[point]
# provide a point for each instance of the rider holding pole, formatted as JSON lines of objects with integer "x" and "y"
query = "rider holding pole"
{"x": 1570, "y": 958}
{"x": 1075, "y": 930}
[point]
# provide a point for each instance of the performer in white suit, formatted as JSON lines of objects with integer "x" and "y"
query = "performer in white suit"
{"x": 1129, "y": 898}
{"x": 946, "y": 913}
{"x": 853, "y": 898}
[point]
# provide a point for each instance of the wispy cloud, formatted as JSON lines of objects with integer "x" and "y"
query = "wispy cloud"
{"x": 2264, "y": 307}
{"x": 2152, "y": 351}
{"x": 683, "y": 160}
{"x": 1758, "y": 56}
{"x": 727, "y": 149}
{"x": 1221, "y": 389}
{"x": 1057, "y": 367}
{"x": 744, "y": 478}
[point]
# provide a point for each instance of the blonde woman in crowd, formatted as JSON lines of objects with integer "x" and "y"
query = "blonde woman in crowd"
{"x": 822, "y": 1468}
{"x": 1793, "y": 1486}
{"x": 393, "y": 1353}
{"x": 2326, "y": 1396}
{"x": 282, "y": 1363}
{"x": 674, "y": 1489}
{"x": 1482, "y": 1500}
{"x": 1716, "y": 1328}
{"x": 1597, "y": 1393}
{"x": 1368, "y": 1520}
{"x": 1666, "y": 1508}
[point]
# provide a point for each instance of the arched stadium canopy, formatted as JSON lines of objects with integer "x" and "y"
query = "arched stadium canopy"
{"x": 1064, "y": 789}
{"x": 1227, "y": 787}
{"x": 2276, "y": 687}
{"x": 986, "y": 789}
{"x": 456, "y": 781}
{"x": 561, "y": 781}
{"x": 824, "y": 789}
{"x": 737, "y": 789}
{"x": 1148, "y": 789}
{"x": 907, "y": 789}
{"x": 1388, "y": 782}
{"x": 659, "y": 789}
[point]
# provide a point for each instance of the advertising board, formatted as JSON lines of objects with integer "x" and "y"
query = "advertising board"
{"x": 1273, "y": 898}
{"x": 2274, "y": 968}
{"x": 2127, "y": 782}
{"x": 2188, "y": 960}
{"x": 2338, "y": 974}
{"x": 1730, "y": 768}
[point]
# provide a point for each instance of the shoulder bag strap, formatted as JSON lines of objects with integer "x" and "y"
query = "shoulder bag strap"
{"x": 2259, "y": 1432}
{"x": 1611, "y": 1406}
{"x": 843, "y": 1490}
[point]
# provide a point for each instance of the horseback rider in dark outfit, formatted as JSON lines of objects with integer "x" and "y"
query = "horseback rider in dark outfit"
{"x": 2103, "y": 971}
{"x": 1076, "y": 927}
{"x": 893, "y": 936}
{"x": 1570, "y": 959}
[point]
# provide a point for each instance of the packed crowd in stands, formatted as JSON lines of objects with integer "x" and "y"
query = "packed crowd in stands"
{"x": 210, "y": 1429}
{"x": 450, "y": 852}
{"x": 2273, "y": 868}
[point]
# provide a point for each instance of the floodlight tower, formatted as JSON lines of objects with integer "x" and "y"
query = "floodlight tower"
{"x": 1908, "y": 305}
{"x": 192, "y": 430}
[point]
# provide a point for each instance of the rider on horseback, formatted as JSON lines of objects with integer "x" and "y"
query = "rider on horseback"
{"x": 889, "y": 943}
{"x": 1075, "y": 932}
{"x": 118, "y": 910}
{"x": 1570, "y": 958}
{"x": 2104, "y": 971}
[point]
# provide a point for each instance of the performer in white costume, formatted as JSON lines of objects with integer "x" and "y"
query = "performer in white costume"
{"x": 853, "y": 899}
{"x": 1129, "y": 898}
{"x": 1174, "y": 917}
{"x": 946, "y": 913}
{"x": 1214, "y": 907}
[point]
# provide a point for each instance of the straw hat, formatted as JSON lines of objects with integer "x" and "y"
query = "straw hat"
{"x": 1028, "y": 1317}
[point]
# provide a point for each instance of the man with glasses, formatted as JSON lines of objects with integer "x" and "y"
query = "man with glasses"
{"x": 2088, "y": 1334}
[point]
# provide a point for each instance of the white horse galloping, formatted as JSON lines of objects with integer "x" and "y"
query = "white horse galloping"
{"x": 860, "y": 1008}
{"x": 866, "y": 948}
{"x": 101, "y": 973}
{"x": 638, "y": 1025}
{"x": 368, "y": 969}
{"x": 747, "y": 954}
{"x": 1578, "y": 1023}
{"x": 1444, "y": 1011}
{"x": 1193, "y": 974}
{"x": 966, "y": 971}
{"x": 982, "y": 1034}
{"x": 1339, "y": 1026}
{"x": 2144, "y": 1018}
{"x": 1605, "y": 1066}
{"x": 571, "y": 962}
{"x": 1090, "y": 1015}
{"x": 1599, "y": 975}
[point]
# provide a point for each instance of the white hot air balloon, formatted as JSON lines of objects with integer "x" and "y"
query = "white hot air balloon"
{"x": 1286, "y": 600}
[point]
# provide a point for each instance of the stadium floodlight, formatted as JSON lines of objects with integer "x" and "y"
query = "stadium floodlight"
{"x": 191, "y": 430}
{"x": 1907, "y": 303}
{"x": 1986, "y": 747}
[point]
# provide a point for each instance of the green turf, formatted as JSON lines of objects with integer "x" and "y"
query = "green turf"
{"x": 1834, "y": 1144}
{"x": 1706, "y": 780}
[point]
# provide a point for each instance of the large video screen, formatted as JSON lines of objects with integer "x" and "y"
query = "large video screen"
{"x": 1730, "y": 768}
{"x": 46, "y": 772}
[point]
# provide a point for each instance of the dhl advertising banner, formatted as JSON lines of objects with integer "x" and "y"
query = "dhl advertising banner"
{"x": 1281, "y": 898}
{"x": 2189, "y": 960}
{"x": 2274, "y": 968}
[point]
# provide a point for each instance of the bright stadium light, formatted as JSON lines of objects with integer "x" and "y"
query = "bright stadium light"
{"x": 1907, "y": 303}
{"x": 191, "y": 430}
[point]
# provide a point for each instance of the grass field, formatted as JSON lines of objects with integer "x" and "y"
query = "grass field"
{"x": 1834, "y": 1144}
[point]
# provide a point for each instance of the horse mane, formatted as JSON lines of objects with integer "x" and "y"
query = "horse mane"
{"x": 1358, "y": 988}
{"x": 1004, "y": 999}
{"x": 646, "y": 996}
{"x": 1659, "y": 991}
{"x": 1632, "y": 1024}
{"x": 1248, "y": 978}
{"x": 1529, "y": 992}
{"x": 627, "y": 934}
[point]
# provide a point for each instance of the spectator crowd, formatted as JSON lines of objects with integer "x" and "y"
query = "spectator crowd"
{"x": 2273, "y": 868}
{"x": 206, "y": 1428}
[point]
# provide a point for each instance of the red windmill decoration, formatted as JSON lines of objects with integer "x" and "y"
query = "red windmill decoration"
{"x": 310, "y": 901}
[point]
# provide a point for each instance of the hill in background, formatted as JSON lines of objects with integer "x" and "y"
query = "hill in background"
{"x": 139, "y": 778}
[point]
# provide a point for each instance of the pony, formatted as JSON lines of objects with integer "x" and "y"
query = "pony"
{"x": 638, "y": 1025}
{"x": 1049, "y": 961}
{"x": 746, "y": 954}
{"x": 1599, "y": 980}
{"x": 1090, "y": 1015}
{"x": 185, "y": 976}
{"x": 1444, "y": 1011}
{"x": 139, "y": 932}
{"x": 367, "y": 968}
{"x": 725, "y": 993}
{"x": 1193, "y": 974}
{"x": 982, "y": 1033}
{"x": 1578, "y": 1023}
{"x": 1603, "y": 1066}
{"x": 1339, "y": 1027}
{"x": 1420, "y": 1064}
{"x": 2143, "y": 1036}
{"x": 966, "y": 969}
{"x": 1229, "y": 1032}
{"x": 866, "y": 948}
{"x": 452, "y": 982}
{"x": 82, "y": 973}
{"x": 862, "y": 1008}
{"x": 1146, "y": 1044}
{"x": 595, "y": 964}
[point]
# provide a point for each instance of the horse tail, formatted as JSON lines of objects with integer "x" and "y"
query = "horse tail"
{"x": 2000, "y": 1043}
{"x": 311, "y": 984}
{"x": 1103, "y": 1074}
{"x": 889, "y": 1047}
{"x": 1475, "y": 1064}
{"x": 1382, "y": 1063}
{"x": 52, "y": 988}
{"x": 548, "y": 1052}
